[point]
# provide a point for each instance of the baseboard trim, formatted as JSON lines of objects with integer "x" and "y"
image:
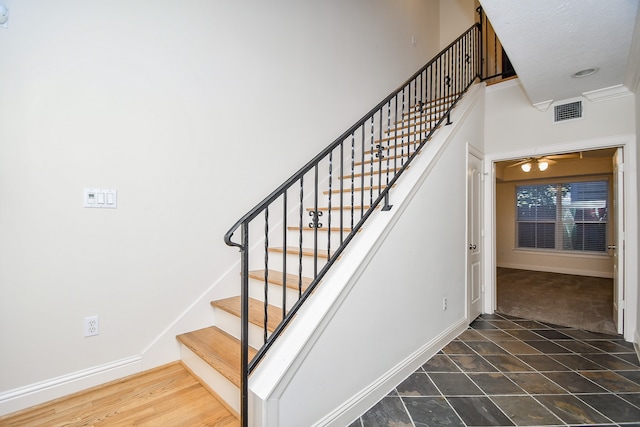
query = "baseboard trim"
{"x": 575, "y": 272}
{"x": 37, "y": 393}
{"x": 365, "y": 399}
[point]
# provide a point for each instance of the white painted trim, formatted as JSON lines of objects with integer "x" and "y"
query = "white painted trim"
{"x": 628, "y": 142}
{"x": 607, "y": 93}
{"x": 33, "y": 394}
{"x": 543, "y": 105}
{"x": 378, "y": 389}
{"x": 503, "y": 85}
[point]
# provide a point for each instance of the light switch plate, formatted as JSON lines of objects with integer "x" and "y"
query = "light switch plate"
{"x": 100, "y": 198}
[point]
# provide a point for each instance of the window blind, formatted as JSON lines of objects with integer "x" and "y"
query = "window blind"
{"x": 568, "y": 216}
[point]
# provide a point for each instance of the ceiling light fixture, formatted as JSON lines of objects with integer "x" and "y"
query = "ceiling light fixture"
{"x": 536, "y": 164}
{"x": 584, "y": 73}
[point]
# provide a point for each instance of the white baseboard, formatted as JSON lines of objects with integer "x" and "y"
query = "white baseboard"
{"x": 358, "y": 404}
{"x": 37, "y": 393}
{"x": 561, "y": 270}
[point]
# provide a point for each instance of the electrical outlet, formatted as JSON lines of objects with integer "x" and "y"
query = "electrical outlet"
{"x": 91, "y": 326}
{"x": 444, "y": 303}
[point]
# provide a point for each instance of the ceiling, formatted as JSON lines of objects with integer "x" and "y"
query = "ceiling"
{"x": 548, "y": 41}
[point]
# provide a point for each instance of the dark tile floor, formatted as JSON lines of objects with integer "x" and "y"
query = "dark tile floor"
{"x": 506, "y": 371}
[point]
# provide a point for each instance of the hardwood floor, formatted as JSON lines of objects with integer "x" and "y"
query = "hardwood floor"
{"x": 165, "y": 396}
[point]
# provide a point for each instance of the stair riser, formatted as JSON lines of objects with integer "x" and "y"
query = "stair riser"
{"x": 231, "y": 325}
{"x": 293, "y": 263}
{"x": 224, "y": 388}
{"x": 323, "y": 236}
{"x": 256, "y": 291}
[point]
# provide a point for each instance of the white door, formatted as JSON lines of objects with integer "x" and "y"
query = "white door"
{"x": 474, "y": 237}
{"x": 617, "y": 245}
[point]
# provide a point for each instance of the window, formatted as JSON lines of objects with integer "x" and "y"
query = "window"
{"x": 563, "y": 216}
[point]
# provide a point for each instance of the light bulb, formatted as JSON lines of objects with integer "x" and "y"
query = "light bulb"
{"x": 542, "y": 165}
{"x": 526, "y": 167}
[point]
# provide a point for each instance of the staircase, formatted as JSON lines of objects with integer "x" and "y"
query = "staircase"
{"x": 213, "y": 353}
{"x": 291, "y": 239}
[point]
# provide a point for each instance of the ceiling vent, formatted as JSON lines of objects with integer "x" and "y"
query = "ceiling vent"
{"x": 572, "y": 110}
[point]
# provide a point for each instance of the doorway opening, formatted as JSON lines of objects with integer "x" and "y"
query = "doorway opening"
{"x": 556, "y": 226}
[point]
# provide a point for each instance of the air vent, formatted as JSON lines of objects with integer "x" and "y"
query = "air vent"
{"x": 572, "y": 110}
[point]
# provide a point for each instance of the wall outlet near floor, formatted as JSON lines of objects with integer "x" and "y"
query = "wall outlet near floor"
{"x": 444, "y": 303}
{"x": 91, "y": 326}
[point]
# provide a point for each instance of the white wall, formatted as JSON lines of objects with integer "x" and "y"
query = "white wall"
{"x": 514, "y": 125}
{"x": 456, "y": 16}
{"x": 388, "y": 319}
{"x": 193, "y": 111}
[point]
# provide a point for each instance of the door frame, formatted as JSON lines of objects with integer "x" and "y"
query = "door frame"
{"x": 627, "y": 142}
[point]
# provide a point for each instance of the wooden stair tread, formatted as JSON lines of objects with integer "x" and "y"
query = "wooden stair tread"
{"x": 219, "y": 349}
{"x": 389, "y": 148}
{"x": 233, "y": 305}
{"x": 403, "y": 135}
{"x": 321, "y": 229}
{"x": 277, "y": 278}
{"x": 344, "y": 208}
{"x": 366, "y": 188}
{"x": 408, "y": 124}
{"x": 374, "y": 172}
{"x": 376, "y": 161}
{"x": 294, "y": 250}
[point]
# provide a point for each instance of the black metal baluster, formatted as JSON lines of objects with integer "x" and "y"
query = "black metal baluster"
{"x": 244, "y": 323}
{"x": 266, "y": 266}
{"x": 342, "y": 195}
{"x": 353, "y": 177}
{"x": 329, "y": 211}
{"x": 300, "y": 232}
{"x": 284, "y": 257}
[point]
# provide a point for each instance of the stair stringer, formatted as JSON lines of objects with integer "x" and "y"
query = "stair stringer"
{"x": 283, "y": 366}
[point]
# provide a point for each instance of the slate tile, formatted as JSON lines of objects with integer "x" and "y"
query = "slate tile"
{"x": 612, "y": 381}
{"x": 547, "y": 347}
{"x": 551, "y": 334}
{"x": 417, "y": 384}
{"x": 507, "y": 363}
{"x": 575, "y": 362}
{"x": 574, "y": 382}
{"x": 389, "y": 412}
{"x": 473, "y": 363}
{"x": 457, "y": 347}
{"x": 542, "y": 362}
{"x": 454, "y": 384}
{"x": 431, "y": 411}
{"x": 572, "y": 410}
{"x": 495, "y": 383}
{"x": 479, "y": 411}
{"x": 611, "y": 406}
{"x": 535, "y": 383}
{"x": 440, "y": 363}
{"x": 525, "y": 411}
